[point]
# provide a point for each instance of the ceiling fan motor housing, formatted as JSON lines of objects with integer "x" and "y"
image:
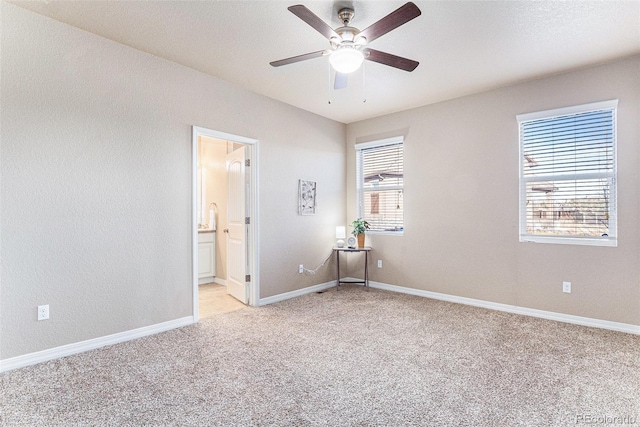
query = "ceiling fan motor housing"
{"x": 346, "y": 32}
{"x": 346, "y": 15}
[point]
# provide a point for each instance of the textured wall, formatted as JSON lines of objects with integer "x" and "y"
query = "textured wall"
{"x": 461, "y": 201}
{"x": 95, "y": 183}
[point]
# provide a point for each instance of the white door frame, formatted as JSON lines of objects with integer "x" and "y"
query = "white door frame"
{"x": 253, "y": 240}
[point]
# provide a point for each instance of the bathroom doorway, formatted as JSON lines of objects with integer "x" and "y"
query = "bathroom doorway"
{"x": 225, "y": 222}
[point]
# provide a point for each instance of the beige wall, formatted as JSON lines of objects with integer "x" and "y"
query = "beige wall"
{"x": 96, "y": 141}
{"x": 95, "y": 173}
{"x": 461, "y": 201}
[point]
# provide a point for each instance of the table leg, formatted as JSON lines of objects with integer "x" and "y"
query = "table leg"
{"x": 366, "y": 269}
{"x": 338, "y": 263}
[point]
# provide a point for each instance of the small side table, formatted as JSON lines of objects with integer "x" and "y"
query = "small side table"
{"x": 366, "y": 251}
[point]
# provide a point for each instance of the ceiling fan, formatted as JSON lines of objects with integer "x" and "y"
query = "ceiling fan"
{"x": 348, "y": 44}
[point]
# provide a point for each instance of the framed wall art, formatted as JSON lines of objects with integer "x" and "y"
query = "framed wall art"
{"x": 306, "y": 197}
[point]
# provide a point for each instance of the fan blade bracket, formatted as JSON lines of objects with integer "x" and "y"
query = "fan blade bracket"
{"x": 335, "y": 42}
{"x": 360, "y": 40}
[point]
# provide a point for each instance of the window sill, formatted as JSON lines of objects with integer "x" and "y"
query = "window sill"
{"x": 581, "y": 241}
{"x": 386, "y": 233}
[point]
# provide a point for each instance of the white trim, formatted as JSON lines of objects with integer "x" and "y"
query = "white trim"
{"x": 569, "y": 176}
{"x": 254, "y": 236}
{"x": 525, "y": 311}
{"x": 254, "y": 242}
{"x": 194, "y": 220}
{"x": 224, "y": 136}
{"x": 610, "y": 241}
{"x": 563, "y": 239}
{"x": 219, "y": 281}
{"x": 547, "y": 114}
{"x": 297, "y": 293}
{"x": 386, "y": 233}
{"x": 215, "y": 280}
{"x": 360, "y": 190}
{"x": 387, "y": 188}
{"x": 92, "y": 344}
{"x": 380, "y": 142}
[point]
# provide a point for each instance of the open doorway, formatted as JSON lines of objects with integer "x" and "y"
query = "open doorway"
{"x": 224, "y": 221}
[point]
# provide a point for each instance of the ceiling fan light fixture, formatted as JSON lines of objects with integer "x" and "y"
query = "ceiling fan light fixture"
{"x": 346, "y": 59}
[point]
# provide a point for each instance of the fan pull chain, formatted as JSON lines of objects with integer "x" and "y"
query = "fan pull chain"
{"x": 329, "y": 86}
{"x": 364, "y": 84}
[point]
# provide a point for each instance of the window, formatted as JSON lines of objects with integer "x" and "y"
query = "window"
{"x": 568, "y": 175}
{"x": 380, "y": 177}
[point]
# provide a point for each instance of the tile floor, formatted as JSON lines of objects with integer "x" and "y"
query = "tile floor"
{"x": 213, "y": 299}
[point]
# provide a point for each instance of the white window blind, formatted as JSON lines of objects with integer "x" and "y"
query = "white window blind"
{"x": 380, "y": 181}
{"x": 568, "y": 175}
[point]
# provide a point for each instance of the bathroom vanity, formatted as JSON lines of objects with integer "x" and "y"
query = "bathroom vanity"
{"x": 206, "y": 256}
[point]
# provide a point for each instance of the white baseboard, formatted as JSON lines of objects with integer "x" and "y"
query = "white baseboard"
{"x": 207, "y": 280}
{"x": 80, "y": 347}
{"x": 550, "y": 315}
{"x": 297, "y": 293}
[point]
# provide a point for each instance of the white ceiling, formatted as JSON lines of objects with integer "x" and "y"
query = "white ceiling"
{"x": 463, "y": 47}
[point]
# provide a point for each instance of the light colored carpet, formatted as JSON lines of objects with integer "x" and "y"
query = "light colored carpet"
{"x": 347, "y": 358}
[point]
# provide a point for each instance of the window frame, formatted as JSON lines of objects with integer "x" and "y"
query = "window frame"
{"x": 612, "y": 238}
{"x": 360, "y": 180}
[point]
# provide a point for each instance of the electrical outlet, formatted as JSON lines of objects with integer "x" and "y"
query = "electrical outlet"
{"x": 566, "y": 287}
{"x": 300, "y": 269}
{"x": 43, "y": 312}
{"x": 379, "y": 263}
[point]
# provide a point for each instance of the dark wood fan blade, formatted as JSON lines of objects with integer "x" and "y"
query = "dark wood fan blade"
{"x": 340, "y": 81}
{"x": 390, "y": 60}
{"x": 312, "y": 19}
{"x": 298, "y": 58}
{"x": 400, "y": 16}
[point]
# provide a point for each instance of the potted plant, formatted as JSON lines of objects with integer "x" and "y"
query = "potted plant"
{"x": 360, "y": 226}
